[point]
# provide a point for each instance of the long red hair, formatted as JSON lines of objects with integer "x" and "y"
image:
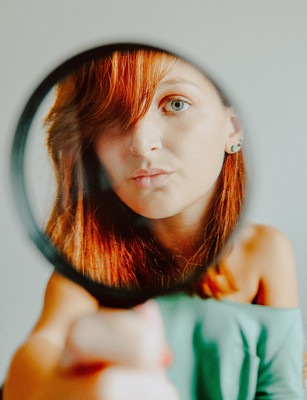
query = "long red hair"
{"x": 89, "y": 224}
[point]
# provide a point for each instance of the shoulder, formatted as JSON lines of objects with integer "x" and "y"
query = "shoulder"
{"x": 270, "y": 254}
{"x": 64, "y": 302}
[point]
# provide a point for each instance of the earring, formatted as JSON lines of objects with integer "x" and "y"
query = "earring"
{"x": 236, "y": 147}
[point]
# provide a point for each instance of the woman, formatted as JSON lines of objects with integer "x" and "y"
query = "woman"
{"x": 159, "y": 140}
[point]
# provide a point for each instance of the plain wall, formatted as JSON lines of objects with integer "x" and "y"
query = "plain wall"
{"x": 256, "y": 49}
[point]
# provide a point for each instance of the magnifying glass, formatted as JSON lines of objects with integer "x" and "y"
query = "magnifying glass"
{"x": 107, "y": 158}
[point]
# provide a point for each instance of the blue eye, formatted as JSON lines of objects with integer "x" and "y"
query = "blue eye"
{"x": 177, "y": 105}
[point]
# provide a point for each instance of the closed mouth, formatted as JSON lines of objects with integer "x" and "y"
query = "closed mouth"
{"x": 151, "y": 178}
{"x": 149, "y": 172}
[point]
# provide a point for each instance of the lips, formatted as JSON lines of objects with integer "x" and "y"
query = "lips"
{"x": 150, "y": 178}
{"x": 148, "y": 172}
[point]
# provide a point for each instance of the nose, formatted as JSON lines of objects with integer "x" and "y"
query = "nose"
{"x": 145, "y": 137}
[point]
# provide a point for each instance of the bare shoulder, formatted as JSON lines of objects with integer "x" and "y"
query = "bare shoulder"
{"x": 269, "y": 252}
{"x": 64, "y": 302}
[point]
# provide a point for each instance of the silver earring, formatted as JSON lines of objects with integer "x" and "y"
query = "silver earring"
{"x": 236, "y": 147}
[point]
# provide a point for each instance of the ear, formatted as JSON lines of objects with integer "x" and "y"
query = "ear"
{"x": 235, "y": 133}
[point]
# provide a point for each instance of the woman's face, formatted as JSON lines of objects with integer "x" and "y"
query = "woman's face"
{"x": 169, "y": 162}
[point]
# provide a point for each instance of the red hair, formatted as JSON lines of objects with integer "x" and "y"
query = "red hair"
{"x": 96, "y": 232}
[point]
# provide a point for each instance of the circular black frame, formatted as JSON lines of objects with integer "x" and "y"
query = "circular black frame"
{"x": 106, "y": 296}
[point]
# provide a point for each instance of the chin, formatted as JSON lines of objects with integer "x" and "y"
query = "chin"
{"x": 154, "y": 213}
{"x": 151, "y": 207}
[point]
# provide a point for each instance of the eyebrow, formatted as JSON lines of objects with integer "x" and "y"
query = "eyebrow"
{"x": 178, "y": 81}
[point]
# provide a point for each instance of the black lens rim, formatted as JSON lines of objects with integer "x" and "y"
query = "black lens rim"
{"x": 106, "y": 296}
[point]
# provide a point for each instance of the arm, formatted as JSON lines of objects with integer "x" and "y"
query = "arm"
{"x": 78, "y": 351}
{"x": 29, "y": 370}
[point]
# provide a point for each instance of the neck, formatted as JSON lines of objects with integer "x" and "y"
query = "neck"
{"x": 182, "y": 234}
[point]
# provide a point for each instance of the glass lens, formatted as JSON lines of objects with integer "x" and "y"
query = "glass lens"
{"x": 117, "y": 151}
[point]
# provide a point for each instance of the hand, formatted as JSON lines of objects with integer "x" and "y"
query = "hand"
{"x": 114, "y": 355}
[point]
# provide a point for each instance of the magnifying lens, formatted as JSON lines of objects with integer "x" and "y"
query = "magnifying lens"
{"x": 96, "y": 168}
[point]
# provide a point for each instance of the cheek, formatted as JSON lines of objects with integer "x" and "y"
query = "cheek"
{"x": 204, "y": 140}
{"x": 110, "y": 154}
{"x": 206, "y": 164}
{"x": 203, "y": 150}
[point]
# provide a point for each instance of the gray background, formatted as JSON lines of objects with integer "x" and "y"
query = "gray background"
{"x": 257, "y": 50}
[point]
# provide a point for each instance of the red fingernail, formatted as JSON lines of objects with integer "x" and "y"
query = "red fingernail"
{"x": 147, "y": 309}
{"x": 167, "y": 358}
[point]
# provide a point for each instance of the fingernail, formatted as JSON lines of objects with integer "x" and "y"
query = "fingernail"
{"x": 147, "y": 309}
{"x": 167, "y": 358}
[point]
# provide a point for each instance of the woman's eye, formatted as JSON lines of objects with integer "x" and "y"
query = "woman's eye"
{"x": 177, "y": 105}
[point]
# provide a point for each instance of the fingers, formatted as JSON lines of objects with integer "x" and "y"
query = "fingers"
{"x": 132, "y": 338}
{"x": 118, "y": 383}
{"x": 114, "y": 355}
{"x": 112, "y": 383}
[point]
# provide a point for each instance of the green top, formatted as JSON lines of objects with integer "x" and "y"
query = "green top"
{"x": 230, "y": 351}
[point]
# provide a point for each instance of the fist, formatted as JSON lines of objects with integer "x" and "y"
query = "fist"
{"x": 115, "y": 355}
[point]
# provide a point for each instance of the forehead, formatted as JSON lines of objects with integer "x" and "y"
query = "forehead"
{"x": 183, "y": 73}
